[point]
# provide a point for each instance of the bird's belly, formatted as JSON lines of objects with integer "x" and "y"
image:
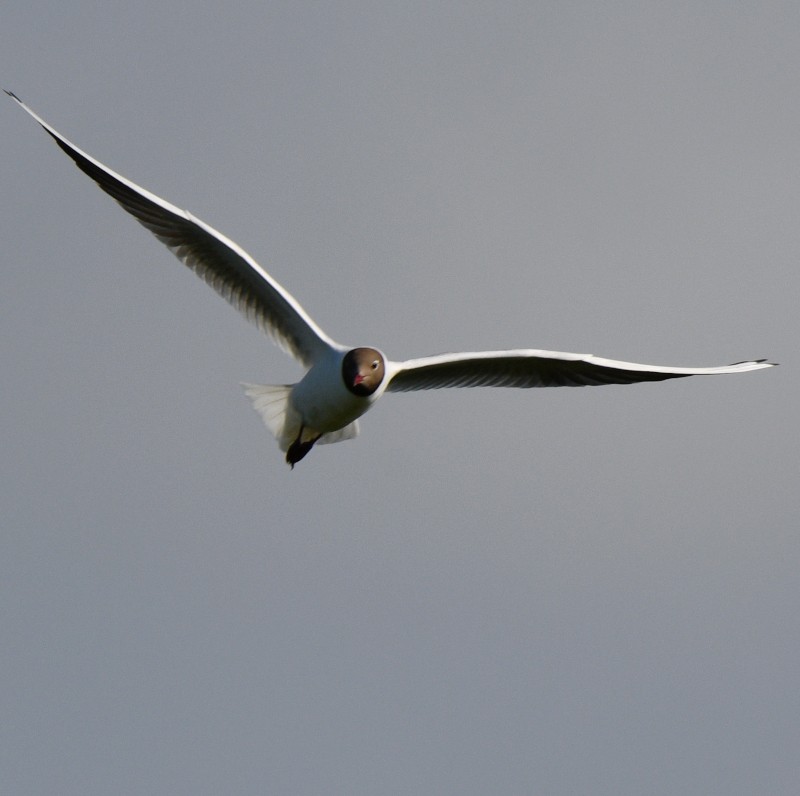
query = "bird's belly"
{"x": 327, "y": 410}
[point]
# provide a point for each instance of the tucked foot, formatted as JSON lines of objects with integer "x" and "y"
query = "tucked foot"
{"x": 298, "y": 449}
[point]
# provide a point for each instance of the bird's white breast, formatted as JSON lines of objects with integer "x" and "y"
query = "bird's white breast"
{"x": 323, "y": 401}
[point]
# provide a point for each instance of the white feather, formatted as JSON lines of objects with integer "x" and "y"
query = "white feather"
{"x": 272, "y": 402}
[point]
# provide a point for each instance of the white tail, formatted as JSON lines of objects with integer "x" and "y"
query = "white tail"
{"x": 272, "y": 402}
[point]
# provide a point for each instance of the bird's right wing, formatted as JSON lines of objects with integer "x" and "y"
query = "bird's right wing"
{"x": 535, "y": 368}
{"x": 216, "y": 259}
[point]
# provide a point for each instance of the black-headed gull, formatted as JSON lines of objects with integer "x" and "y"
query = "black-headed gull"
{"x": 341, "y": 382}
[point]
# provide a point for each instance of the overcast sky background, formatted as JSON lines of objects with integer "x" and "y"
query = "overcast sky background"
{"x": 489, "y": 591}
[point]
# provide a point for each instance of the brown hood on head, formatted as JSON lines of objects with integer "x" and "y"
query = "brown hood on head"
{"x": 363, "y": 370}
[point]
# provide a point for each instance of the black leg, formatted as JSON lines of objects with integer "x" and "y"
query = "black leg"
{"x": 298, "y": 449}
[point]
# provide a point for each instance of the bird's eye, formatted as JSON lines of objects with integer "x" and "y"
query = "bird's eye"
{"x": 375, "y": 365}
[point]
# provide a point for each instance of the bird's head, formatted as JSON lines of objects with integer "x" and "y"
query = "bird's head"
{"x": 363, "y": 370}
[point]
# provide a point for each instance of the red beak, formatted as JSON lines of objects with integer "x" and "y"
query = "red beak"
{"x": 358, "y": 379}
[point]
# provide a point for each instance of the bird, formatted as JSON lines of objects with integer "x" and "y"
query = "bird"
{"x": 342, "y": 382}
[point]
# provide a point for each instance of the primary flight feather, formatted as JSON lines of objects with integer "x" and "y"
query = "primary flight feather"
{"x": 341, "y": 382}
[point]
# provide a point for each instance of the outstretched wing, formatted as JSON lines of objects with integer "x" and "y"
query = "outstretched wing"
{"x": 216, "y": 259}
{"x": 534, "y": 368}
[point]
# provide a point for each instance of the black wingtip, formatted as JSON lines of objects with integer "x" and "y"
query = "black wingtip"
{"x": 12, "y": 95}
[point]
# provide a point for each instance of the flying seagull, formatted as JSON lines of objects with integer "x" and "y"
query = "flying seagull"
{"x": 341, "y": 383}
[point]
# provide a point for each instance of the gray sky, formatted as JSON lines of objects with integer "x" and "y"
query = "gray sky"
{"x": 490, "y": 591}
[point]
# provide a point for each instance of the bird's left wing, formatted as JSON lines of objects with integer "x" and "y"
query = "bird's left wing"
{"x": 535, "y": 368}
{"x": 216, "y": 259}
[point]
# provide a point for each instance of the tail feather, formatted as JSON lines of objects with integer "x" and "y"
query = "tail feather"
{"x": 271, "y": 401}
